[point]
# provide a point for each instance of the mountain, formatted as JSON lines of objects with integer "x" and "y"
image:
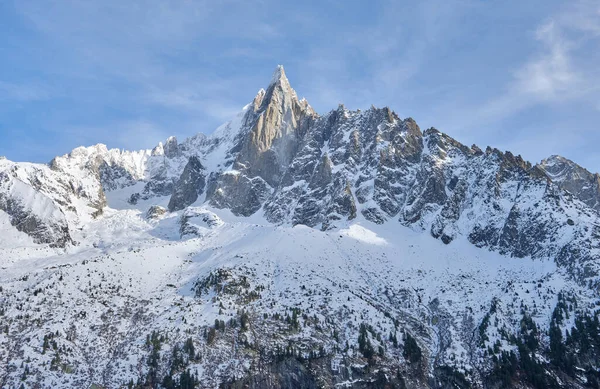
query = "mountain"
{"x": 293, "y": 249}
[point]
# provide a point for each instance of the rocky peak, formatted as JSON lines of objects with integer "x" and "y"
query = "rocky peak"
{"x": 573, "y": 178}
{"x": 171, "y": 147}
{"x": 275, "y": 130}
{"x": 280, "y": 86}
{"x": 158, "y": 150}
{"x": 280, "y": 96}
{"x": 559, "y": 168}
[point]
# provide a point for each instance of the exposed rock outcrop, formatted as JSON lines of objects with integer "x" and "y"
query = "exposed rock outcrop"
{"x": 198, "y": 222}
{"x": 190, "y": 185}
{"x": 32, "y": 212}
{"x": 582, "y": 184}
{"x": 155, "y": 212}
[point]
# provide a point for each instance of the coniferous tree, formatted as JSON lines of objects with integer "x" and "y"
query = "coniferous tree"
{"x": 412, "y": 351}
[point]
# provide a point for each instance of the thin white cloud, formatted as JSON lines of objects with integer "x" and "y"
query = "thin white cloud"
{"x": 558, "y": 71}
{"x": 563, "y": 69}
{"x": 550, "y": 76}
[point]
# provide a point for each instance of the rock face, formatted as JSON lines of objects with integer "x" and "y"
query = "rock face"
{"x": 189, "y": 187}
{"x": 171, "y": 148}
{"x": 348, "y": 160}
{"x": 235, "y": 191}
{"x": 277, "y": 127}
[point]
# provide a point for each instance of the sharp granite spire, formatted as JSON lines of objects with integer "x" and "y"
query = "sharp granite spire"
{"x": 279, "y": 76}
{"x": 274, "y": 124}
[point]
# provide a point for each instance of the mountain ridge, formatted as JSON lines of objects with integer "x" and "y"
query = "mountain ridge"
{"x": 292, "y": 249}
{"x": 279, "y": 157}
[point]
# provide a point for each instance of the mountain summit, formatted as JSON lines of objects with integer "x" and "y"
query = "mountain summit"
{"x": 296, "y": 249}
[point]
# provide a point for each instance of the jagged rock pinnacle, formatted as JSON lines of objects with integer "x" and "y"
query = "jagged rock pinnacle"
{"x": 272, "y": 139}
{"x": 279, "y": 76}
{"x": 280, "y": 87}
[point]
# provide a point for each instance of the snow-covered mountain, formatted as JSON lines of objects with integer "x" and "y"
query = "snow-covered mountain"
{"x": 292, "y": 249}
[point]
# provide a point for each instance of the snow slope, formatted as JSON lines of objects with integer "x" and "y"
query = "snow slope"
{"x": 133, "y": 276}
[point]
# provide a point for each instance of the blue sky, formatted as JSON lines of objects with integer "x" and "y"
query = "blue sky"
{"x": 518, "y": 75}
